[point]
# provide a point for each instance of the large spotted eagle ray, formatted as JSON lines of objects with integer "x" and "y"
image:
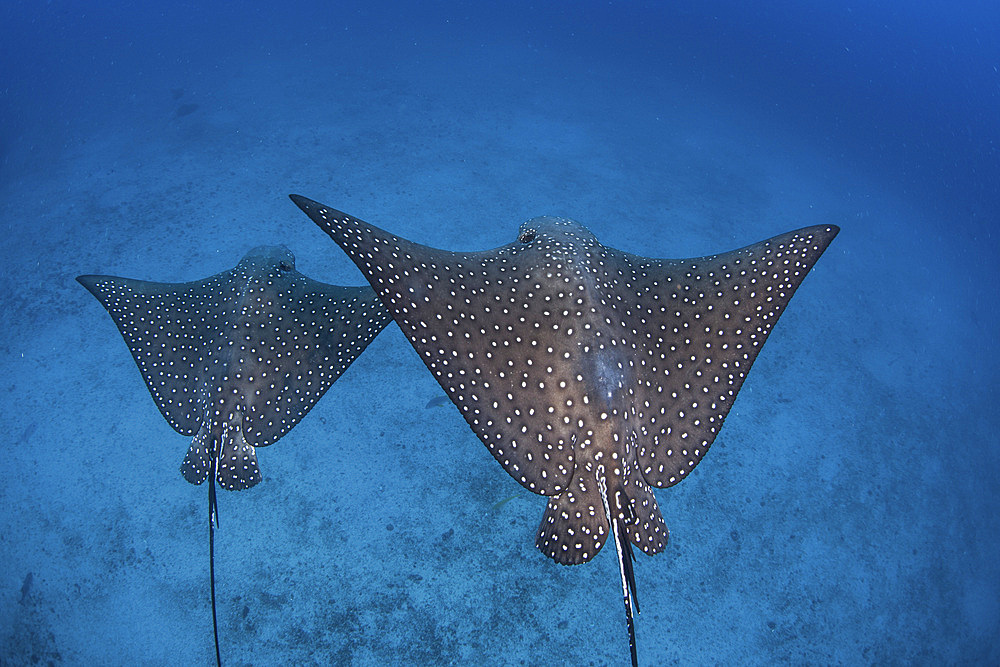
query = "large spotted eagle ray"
{"x": 237, "y": 359}
{"x": 590, "y": 374}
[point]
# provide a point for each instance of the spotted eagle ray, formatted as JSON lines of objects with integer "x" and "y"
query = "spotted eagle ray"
{"x": 591, "y": 374}
{"x": 237, "y": 359}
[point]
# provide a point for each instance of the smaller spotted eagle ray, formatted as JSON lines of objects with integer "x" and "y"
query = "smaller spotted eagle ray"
{"x": 237, "y": 359}
{"x": 591, "y": 374}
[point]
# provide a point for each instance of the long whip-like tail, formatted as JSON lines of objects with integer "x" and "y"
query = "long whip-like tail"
{"x": 623, "y": 548}
{"x": 213, "y": 522}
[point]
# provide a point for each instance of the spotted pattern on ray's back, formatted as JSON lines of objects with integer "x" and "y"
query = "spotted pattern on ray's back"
{"x": 574, "y": 361}
{"x": 240, "y": 357}
{"x": 712, "y": 315}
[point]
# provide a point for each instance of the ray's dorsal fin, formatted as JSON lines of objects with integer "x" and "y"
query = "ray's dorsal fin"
{"x": 238, "y": 359}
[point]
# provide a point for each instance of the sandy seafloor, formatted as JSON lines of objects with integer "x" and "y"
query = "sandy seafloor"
{"x": 845, "y": 515}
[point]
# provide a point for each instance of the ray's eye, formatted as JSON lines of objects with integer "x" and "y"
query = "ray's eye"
{"x": 527, "y": 236}
{"x": 284, "y": 267}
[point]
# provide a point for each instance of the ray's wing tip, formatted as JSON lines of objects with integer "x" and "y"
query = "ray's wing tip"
{"x": 302, "y": 202}
{"x": 825, "y": 232}
{"x": 312, "y": 207}
{"x": 328, "y": 219}
{"x": 88, "y": 279}
{"x": 90, "y": 283}
{"x": 819, "y": 237}
{"x": 830, "y": 231}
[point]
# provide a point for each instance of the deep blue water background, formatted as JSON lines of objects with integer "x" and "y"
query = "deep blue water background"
{"x": 847, "y": 512}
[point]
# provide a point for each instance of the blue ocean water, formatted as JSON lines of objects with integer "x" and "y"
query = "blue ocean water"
{"x": 846, "y": 514}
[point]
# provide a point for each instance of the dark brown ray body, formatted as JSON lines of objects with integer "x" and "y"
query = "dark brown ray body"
{"x": 591, "y": 374}
{"x": 237, "y": 359}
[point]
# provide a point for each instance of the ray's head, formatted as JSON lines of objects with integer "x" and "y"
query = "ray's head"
{"x": 267, "y": 256}
{"x": 552, "y": 236}
{"x": 267, "y": 263}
